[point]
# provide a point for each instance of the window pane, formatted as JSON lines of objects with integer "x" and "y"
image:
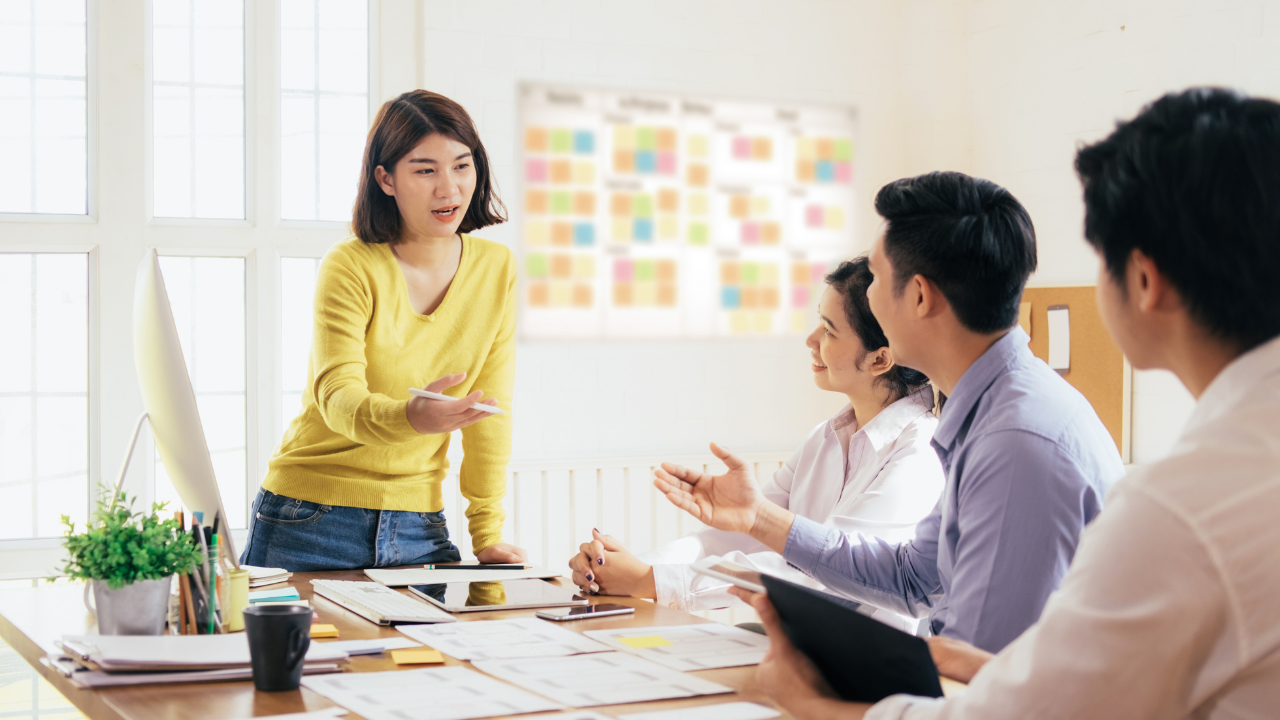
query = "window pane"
{"x": 297, "y": 295}
{"x": 207, "y": 298}
{"x": 43, "y": 115}
{"x": 44, "y": 370}
{"x": 324, "y": 96}
{"x": 197, "y": 96}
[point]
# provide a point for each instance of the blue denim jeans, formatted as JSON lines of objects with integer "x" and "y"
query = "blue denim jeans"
{"x": 300, "y": 536}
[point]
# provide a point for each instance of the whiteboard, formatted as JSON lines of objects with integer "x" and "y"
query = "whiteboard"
{"x": 664, "y": 215}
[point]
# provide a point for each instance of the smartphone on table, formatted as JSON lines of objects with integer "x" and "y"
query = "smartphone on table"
{"x": 584, "y": 613}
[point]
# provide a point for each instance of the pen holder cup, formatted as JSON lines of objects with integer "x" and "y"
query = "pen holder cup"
{"x": 238, "y": 601}
{"x": 279, "y": 636}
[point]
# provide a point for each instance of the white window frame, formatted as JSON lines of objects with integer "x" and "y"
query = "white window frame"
{"x": 116, "y": 240}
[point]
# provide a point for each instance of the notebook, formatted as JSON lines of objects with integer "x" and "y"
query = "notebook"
{"x": 862, "y": 659}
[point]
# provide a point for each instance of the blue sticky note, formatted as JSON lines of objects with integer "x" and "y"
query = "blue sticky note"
{"x": 584, "y": 142}
{"x": 730, "y": 298}
{"x": 825, "y": 171}
{"x": 288, "y": 593}
{"x": 646, "y": 161}
{"x": 584, "y": 234}
{"x": 642, "y": 230}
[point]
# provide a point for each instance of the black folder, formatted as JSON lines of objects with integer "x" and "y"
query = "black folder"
{"x": 863, "y": 660}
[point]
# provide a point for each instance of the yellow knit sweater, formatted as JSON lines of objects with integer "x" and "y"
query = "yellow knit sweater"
{"x": 352, "y": 445}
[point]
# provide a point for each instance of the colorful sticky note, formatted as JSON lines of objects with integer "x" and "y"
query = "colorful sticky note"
{"x": 646, "y": 294}
{"x": 697, "y": 146}
{"x": 804, "y": 170}
{"x": 843, "y": 149}
{"x": 584, "y": 234}
{"x": 621, "y": 229}
{"x": 646, "y": 161}
{"x": 698, "y": 175}
{"x": 536, "y": 170}
{"x": 535, "y": 201}
{"x": 561, "y": 140}
{"x": 813, "y": 216}
{"x": 561, "y": 234}
{"x": 560, "y": 294}
{"x": 824, "y": 148}
{"x": 644, "y": 270}
{"x": 561, "y": 202}
{"x": 561, "y": 266}
{"x": 666, "y": 270}
{"x": 536, "y": 233}
{"x": 646, "y": 139}
{"x": 535, "y": 265}
{"x": 324, "y": 631}
{"x": 642, "y": 230}
{"x": 561, "y": 171}
{"x": 622, "y": 294}
{"x": 624, "y": 137}
{"x": 730, "y": 273}
{"x": 624, "y": 161}
{"x": 698, "y": 203}
{"x": 584, "y": 142}
{"x": 742, "y": 148}
{"x": 584, "y": 267}
{"x": 759, "y": 205}
{"x": 539, "y": 294}
{"x": 739, "y": 207}
{"x": 666, "y": 294}
{"x": 668, "y": 227}
{"x": 668, "y": 200}
{"x": 584, "y": 203}
{"x": 417, "y": 656}
{"x": 666, "y": 163}
{"x": 665, "y": 139}
{"x": 730, "y": 297}
{"x": 642, "y": 205}
{"x": 584, "y": 172}
{"x": 750, "y": 273}
{"x": 699, "y": 234}
{"x": 770, "y": 233}
{"x": 583, "y": 295}
{"x": 800, "y": 296}
{"x": 825, "y": 171}
{"x": 622, "y": 271}
{"x": 750, "y": 233}
{"x": 761, "y": 148}
{"x": 844, "y": 172}
{"x": 535, "y": 139}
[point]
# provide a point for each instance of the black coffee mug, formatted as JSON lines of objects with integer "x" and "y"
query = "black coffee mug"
{"x": 279, "y": 636}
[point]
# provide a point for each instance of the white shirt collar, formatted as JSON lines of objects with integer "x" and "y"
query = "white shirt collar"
{"x": 1240, "y": 377}
{"x": 889, "y": 423}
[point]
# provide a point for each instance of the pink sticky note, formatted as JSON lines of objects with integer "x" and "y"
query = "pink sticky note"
{"x": 622, "y": 271}
{"x": 750, "y": 233}
{"x": 666, "y": 163}
{"x": 536, "y": 170}
{"x": 816, "y": 273}
{"x": 813, "y": 216}
{"x": 844, "y": 172}
{"x": 800, "y": 297}
{"x": 742, "y": 148}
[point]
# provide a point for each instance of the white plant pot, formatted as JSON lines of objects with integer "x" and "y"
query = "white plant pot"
{"x": 136, "y": 609}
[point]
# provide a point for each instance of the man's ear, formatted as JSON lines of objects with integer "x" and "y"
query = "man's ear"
{"x": 385, "y": 180}
{"x": 928, "y": 299}
{"x": 1150, "y": 288}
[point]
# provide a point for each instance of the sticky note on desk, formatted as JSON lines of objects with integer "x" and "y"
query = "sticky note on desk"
{"x": 287, "y": 593}
{"x": 417, "y": 656}
{"x": 645, "y": 641}
{"x": 324, "y": 631}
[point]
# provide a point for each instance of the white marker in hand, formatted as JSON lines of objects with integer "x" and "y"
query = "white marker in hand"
{"x": 440, "y": 396}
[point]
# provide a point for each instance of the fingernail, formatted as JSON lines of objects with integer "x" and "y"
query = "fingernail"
{"x": 594, "y": 530}
{"x": 599, "y": 561}
{"x": 590, "y": 576}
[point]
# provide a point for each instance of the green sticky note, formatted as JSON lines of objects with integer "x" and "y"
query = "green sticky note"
{"x": 698, "y": 234}
{"x": 645, "y": 641}
{"x": 535, "y": 266}
{"x": 843, "y": 149}
{"x": 560, "y": 202}
{"x": 750, "y": 273}
{"x": 644, "y": 270}
{"x": 642, "y": 205}
{"x": 645, "y": 139}
{"x": 561, "y": 140}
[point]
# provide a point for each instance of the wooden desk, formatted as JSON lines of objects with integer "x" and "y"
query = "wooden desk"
{"x": 31, "y": 618}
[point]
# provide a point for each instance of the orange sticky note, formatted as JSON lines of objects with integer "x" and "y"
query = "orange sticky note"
{"x": 645, "y": 641}
{"x": 324, "y": 631}
{"x": 417, "y": 656}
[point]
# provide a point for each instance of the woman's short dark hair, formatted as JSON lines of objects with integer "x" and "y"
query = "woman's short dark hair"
{"x": 1194, "y": 183}
{"x": 968, "y": 235}
{"x": 401, "y": 124}
{"x": 851, "y": 279}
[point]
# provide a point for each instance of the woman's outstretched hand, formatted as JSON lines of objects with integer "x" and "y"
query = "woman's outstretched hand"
{"x": 728, "y": 502}
{"x": 433, "y": 417}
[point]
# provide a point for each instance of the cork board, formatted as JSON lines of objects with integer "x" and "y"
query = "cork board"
{"x": 1098, "y": 368}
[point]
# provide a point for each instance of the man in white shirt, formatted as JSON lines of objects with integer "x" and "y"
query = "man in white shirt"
{"x": 1171, "y": 608}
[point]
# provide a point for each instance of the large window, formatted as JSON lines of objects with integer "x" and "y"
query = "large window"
{"x": 324, "y": 106}
{"x": 43, "y": 115}
{"x": 198, "y": 115}
{"x": 297, "y": 301}
{"x": 207, "y": 298}
{"x": 44, "y": 382}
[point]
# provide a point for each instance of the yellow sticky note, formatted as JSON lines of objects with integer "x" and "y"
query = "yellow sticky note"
{"x": 417, "y": 656}
{"x": 324, "y": 631}
{"x": 645, "y": 641}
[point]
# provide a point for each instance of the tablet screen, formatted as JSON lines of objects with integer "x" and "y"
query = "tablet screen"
{"x": 737, "y": 572}
{"x": 496, "y": 595}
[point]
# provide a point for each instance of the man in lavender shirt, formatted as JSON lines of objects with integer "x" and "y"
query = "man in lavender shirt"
{"x": 1027, "y": 459}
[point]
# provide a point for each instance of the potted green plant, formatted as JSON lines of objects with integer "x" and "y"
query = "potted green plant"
{"x": 128, "y": 559}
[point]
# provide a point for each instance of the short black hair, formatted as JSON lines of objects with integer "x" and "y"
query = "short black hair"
{"x": 969, "y": 236}
{"x": 851, "y": 279}
{"x": 1194, "y": 183}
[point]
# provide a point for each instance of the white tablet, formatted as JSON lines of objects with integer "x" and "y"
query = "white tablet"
{"x": 460, "y": 597}
{"x": 721, "y": 569}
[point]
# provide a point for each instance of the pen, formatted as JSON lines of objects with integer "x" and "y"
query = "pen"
{"x": 477, "y": 567}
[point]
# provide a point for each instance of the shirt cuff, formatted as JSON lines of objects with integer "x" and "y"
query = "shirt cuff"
{"x": 670, "y": 584}
{"x": 805, "y": 544}
{"x": 905, "y": 707}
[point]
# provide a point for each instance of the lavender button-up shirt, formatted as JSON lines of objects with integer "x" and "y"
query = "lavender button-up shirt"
{"x": 1027, "y": 463}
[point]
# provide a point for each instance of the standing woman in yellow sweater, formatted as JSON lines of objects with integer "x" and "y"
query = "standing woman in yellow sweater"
{"x": 411, "y": 300}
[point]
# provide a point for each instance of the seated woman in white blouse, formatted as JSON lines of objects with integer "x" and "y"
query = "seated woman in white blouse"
{"x": 869, "y": 469}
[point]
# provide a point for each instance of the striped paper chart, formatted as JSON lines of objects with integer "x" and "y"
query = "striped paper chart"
{"x": 652, "y": 215}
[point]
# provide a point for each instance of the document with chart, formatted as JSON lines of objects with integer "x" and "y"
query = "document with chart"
{"x": 449, "y": 693}
{"x": 599, "y": 679}
{"x": 688, "y": 647}
{"x": 503, "y": 639}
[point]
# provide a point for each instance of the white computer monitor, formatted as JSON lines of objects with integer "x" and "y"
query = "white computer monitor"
{"x": 169, "y": 399}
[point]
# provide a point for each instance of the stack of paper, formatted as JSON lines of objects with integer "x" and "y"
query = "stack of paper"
{"x": 288, "y": 592}
{"x": 598, "y": 679}
{"x": 108, "y": 660}
{"x": 688, "y": 647}
{"x": 259, "y": 576}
